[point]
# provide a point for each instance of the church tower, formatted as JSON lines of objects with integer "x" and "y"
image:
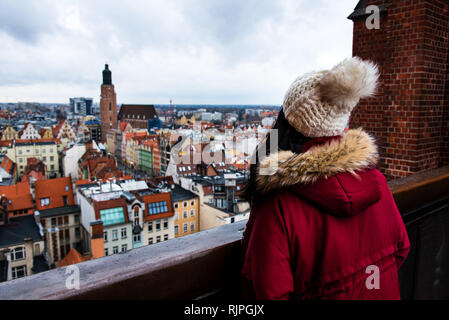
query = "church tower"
{"x": 108, "y": 104}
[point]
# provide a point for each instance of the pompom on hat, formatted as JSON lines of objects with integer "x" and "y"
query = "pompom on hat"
{"x": 319, "y": 104}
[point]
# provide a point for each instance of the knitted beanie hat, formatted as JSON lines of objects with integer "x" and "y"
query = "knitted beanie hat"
{"x": 318, "y": 104}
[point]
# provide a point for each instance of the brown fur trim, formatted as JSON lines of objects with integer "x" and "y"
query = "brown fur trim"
{"x": 354, "y": 151}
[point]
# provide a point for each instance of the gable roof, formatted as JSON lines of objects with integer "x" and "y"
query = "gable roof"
{"x": 72, "y": 257}
{"x": 18, "y": 195}
{"x": 141, "y": 110}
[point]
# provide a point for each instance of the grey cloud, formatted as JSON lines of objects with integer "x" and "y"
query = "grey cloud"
{"x": 26, "y": 20}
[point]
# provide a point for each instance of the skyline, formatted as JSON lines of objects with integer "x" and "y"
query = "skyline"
{"x": 192, "y": 52}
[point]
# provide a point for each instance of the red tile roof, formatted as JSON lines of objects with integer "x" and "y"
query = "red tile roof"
{"x": 123, "y": 125}
{"x": 55, "y": 190}
{"x": 19, "y": 197}
{"x": 73, "y": 257}
{"x": 156, "y": 197}
{"x": 8, "y": 165}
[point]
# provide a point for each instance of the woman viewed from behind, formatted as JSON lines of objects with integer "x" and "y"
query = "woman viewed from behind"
{"x": 323, "y": 222}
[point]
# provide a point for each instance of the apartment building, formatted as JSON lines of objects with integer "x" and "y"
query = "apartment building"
{"x": 105, "y": 213}
{"x": 159, "y": 217}
{"x": 45, "y": 150}
{"x": 59, "y": 215}
{"x": 21, "y": 248}
{"x": 187, "y": 214}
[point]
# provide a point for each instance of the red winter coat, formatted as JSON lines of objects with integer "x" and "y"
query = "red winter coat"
{"x": 328, "y": 215}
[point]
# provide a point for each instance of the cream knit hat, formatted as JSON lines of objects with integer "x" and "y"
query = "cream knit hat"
{"x": 318, "y": 104}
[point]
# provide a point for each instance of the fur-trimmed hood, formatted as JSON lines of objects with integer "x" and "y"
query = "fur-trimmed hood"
{"x": 356, "y": 150}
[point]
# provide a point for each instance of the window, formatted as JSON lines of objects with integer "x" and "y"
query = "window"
{"x": 19, "y": 272}
{"x": 158, "y": 239}
{"x": 20, "y": 152}
{"x": 52, "y": 167}
{"x": 192, "y": 226}
{"x": 77, "y": 232}
{"x": 124, "y": 247}
{"x": 184, "y": 214}
{"x": 77, "y": 219}
{"x": 184, "y": 204}
{"x": 176, "y": 205}
{"x": 44, "y": 151}
{"x": 192, "y": 213}
{"x": 150, "y": 226}
{"x": 150, "y": 240}
{"x": 106, "y": 251}
{"x": 65, "y": 200}
{"x": 20, "y": 160}
{"x": 115, "y": 249}
{"x": 176, "y": 229}
{"x": 165, "y": 237}
{"x": 136, "y": 238}
{"x": 66, "y": 220}
{"x": 123, "y": 233}
{"x": 53, "y": 222}
{"x": 105, "y": 236}
{"x": 176, "y": 215}
{"x": 158, "y": 225}
{"x": 18, "y": 254}
{"x": 114, "y": 235}
{"x": 44, "y": 159}
{"x": 185, "y": 227}
{"x": 112, "y": 216}
{"x": 157, "y": 207}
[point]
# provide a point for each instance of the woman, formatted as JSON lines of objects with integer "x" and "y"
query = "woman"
{"x": 323, "y": 224}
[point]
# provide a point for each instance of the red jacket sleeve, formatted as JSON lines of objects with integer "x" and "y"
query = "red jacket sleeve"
{"x": 266, "y": 265}
{"x": 403, "y": 241}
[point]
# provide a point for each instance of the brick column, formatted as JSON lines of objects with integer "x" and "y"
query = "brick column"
{"x": 409, "y": 116}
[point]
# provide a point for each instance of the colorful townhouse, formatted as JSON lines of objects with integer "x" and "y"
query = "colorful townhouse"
{"x": 187, "y": 214}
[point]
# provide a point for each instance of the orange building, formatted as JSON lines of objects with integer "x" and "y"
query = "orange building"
{"x": 20, "y": 200}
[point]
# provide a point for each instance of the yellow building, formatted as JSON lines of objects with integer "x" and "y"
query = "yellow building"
{"x": 46, "y": 133}
{"x": 45, "y": 150}
{"x": 187, "y": 215}
{"x": 9, "y": 133}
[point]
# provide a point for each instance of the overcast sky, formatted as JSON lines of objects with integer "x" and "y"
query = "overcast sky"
{"x": 192, "y": 51}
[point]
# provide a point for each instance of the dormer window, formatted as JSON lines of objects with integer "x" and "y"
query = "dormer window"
{"x": 45, "y": 202}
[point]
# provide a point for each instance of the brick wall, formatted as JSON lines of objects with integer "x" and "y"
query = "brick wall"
{"x": 409, "y": 115}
